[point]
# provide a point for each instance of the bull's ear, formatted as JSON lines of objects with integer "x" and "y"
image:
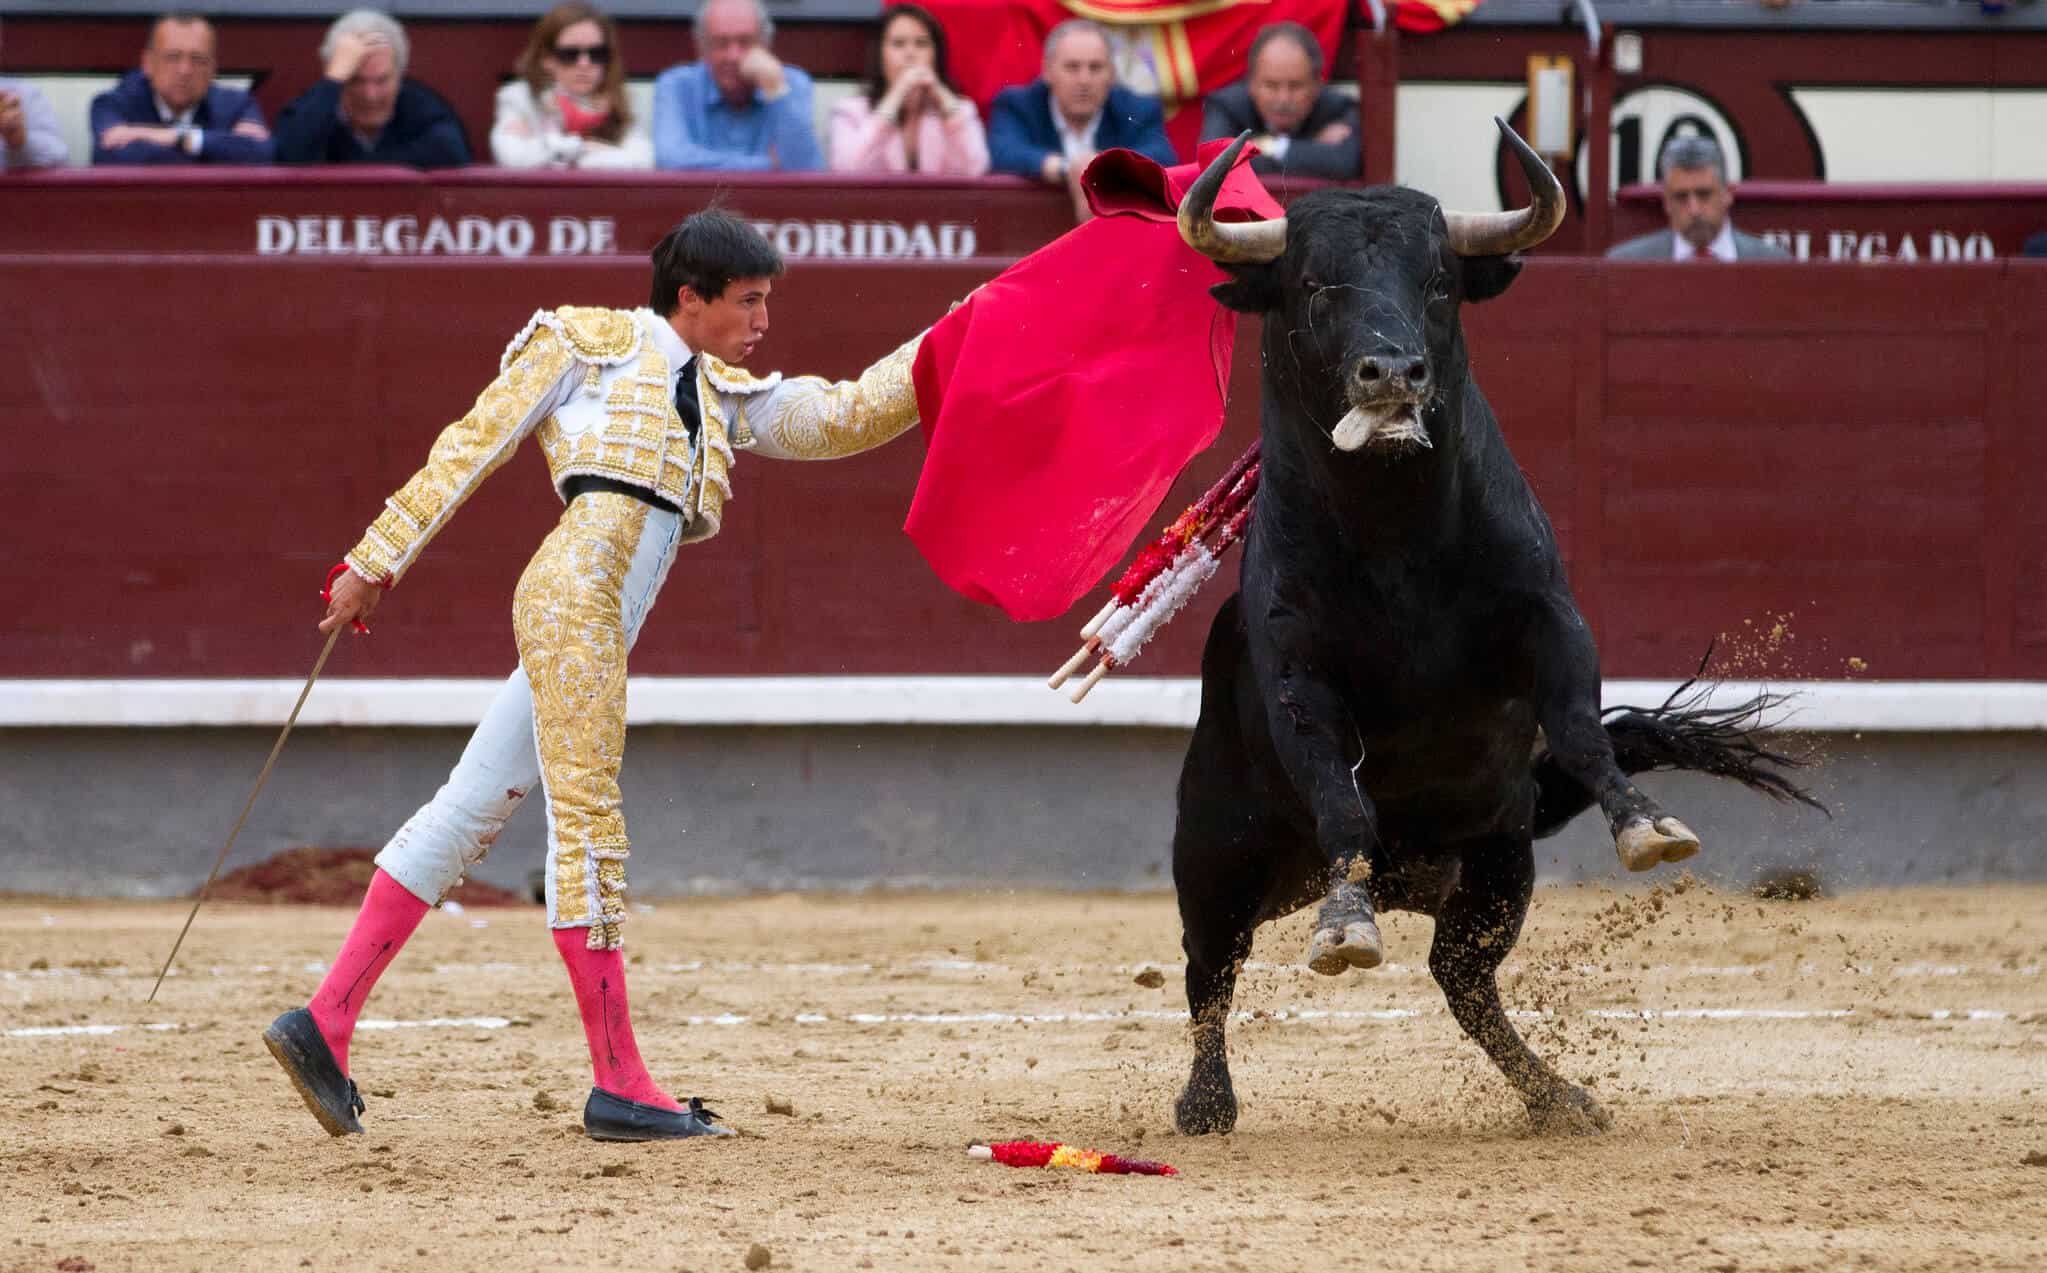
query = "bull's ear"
{"x": 1487, "y": 276}
{"x": 1251, "y": 289}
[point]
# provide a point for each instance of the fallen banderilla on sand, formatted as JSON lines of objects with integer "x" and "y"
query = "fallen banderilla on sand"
{"x": 1165, "y": 576}
{"x": 1038, "y": 1153}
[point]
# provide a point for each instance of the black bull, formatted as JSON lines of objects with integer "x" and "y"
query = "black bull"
{"x": 1373, "y": 696}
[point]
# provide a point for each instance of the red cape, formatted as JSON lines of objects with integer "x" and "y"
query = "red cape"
{"x": 1062, "y": 399}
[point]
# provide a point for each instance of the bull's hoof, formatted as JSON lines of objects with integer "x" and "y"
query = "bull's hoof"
{"x": 1567, "y": 1111}
{"x": 1356, "y": 944}
{"x": 1205, "y": 1110}
{"x": 1642, "y": 846}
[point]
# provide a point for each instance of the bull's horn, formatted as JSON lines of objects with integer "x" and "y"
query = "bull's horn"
{"x": 1227, "y": 242}
{"x": 1498, "y": 233}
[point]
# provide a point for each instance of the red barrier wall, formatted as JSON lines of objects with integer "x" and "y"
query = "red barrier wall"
{"x": 1842, "y": 452}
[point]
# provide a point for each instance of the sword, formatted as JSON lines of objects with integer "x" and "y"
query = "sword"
{"x": 261, "y": 778}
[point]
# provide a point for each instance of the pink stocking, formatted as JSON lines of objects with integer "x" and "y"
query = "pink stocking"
{"x": 598, "y": 977}
{"x": 388, "y": 916}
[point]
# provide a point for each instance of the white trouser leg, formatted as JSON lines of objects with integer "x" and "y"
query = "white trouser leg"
{"x": 500, "y": 766}
{"x": 454, "y": 830}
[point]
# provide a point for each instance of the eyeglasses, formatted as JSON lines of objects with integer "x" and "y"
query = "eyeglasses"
{"x": 594, "y": 54}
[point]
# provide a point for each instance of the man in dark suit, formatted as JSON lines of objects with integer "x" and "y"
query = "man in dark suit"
{"x": 1696, "y": 198}
{"x": 364, "y": 110}
{"x": 1300, "y": 126}
{"x": 1049, "y": 130}
{"x": 171, "y": 112}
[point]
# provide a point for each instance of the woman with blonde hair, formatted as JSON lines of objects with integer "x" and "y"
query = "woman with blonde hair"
{"x": 567, "y": 108}
{"x": 909, "y": 118}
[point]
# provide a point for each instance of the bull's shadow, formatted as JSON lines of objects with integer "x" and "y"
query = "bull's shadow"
{"x": 1402, "y": 696}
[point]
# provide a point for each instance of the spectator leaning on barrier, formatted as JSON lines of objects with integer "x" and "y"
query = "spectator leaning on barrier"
{"x": 909, "y": 116}
{"x": 364, "y": 110}
{"x": 1049, "y": 130}
{"x": 738, "y": 108}
{"x": 1696, "y": 198}
{"x": 1301, "y": 126}
{"x": 171, "y": 111}
{"x": 567, "y": 108}
{"x": 29, "y": 137}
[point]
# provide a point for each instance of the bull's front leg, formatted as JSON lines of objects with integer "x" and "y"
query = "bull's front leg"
{"x": 1318, "y": 745}
{"x": 1567, "y": 706}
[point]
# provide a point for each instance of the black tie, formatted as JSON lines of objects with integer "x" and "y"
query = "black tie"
{"x": 686, "y": 400}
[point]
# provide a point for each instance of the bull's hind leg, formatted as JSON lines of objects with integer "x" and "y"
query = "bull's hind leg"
{"x": 1567, "y": 705}
{"x": 1475, "y": 928}
{"x": 1217, "y": 939}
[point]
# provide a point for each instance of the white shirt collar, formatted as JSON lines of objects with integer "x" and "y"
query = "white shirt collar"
{"x": 1079, "y": 143}
{"x": 1721, "y": 248}
{"x": 168, "y": 116}
{"x": 662, "y": 333}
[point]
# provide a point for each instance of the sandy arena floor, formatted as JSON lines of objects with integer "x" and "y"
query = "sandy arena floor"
{"x": 1852, "y": 1083}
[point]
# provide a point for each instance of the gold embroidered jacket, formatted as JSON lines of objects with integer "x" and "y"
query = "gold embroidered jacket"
{"x": 597, "y": 388}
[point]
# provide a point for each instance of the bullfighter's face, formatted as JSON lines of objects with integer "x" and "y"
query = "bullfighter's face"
{"x": 728, "y": 327}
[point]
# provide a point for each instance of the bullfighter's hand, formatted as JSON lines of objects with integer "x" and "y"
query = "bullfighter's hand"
{"x": 353, "y": 600}
{"x": 763, "y": 70}
{"x": 1333, "y": 133}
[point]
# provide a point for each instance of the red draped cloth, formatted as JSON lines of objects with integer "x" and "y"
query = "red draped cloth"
{"x": 1062, "y": 399}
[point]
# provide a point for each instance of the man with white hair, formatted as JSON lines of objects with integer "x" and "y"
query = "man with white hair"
{"x": 1051, "y": 129}
{"x": 364, "y": 110}
{"x": 738, "y": 108}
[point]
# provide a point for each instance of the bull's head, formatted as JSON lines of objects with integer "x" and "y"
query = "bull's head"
{"x": 1360, "y": 289}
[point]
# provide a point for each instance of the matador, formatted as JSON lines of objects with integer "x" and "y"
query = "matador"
{"x": 640, "y": 414}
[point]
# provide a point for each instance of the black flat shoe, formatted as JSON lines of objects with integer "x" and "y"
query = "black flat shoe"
{"x": 300, "y": 1048}
{"x": 609, "y": 1117}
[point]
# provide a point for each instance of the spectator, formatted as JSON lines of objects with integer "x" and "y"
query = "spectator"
{"x": 1049, "y": 130}
{"x": 739, "y": 108}
{"x": 1696, "y": 198}
{"x": 170, "y": 111}
{"x": 29, "y": 137}
{"x": 1302, "y": 127}
{"x": 910, "y": 118}
{"x": 567, "y": 108}
{"x": 364, "y": 110}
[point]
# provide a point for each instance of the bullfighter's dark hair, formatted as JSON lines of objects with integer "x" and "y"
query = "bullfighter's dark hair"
{"x": 705, "y": 253}
{"x": 1286, "y": 31}
{"x": 1692, "y": 150}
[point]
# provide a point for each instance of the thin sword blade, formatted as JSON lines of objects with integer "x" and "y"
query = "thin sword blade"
{"x": 261, "y": 778}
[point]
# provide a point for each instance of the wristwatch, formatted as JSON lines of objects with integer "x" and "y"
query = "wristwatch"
{"x": 188, "y": 140}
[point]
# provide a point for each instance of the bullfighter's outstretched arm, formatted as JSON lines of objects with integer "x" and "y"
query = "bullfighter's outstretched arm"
{"x": 811, "y": 418}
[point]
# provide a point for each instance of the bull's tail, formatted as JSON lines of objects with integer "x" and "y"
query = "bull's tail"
{"x": 1683, "y": 733}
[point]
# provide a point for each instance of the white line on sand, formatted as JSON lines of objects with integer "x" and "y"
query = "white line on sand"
{"x": 1081, "y": 1017}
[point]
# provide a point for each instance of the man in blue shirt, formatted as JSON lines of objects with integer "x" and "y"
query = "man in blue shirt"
{"x": 171, "y": 112}
{"x": 739, "y": 109}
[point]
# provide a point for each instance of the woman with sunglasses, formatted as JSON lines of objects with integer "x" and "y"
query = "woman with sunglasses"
{"x": 567, "y": 108}
{"x": 909, "y": 118}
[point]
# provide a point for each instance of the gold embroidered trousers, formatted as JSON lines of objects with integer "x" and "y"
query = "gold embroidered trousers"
{"x": 559, "y": 721}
